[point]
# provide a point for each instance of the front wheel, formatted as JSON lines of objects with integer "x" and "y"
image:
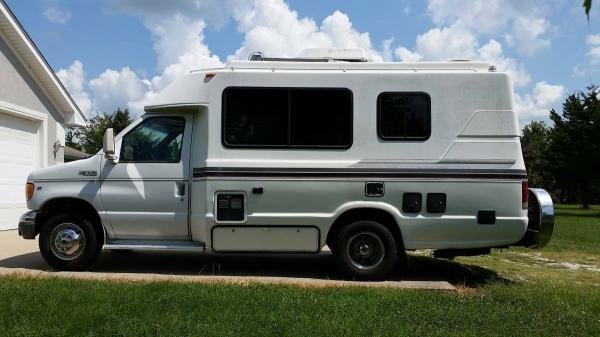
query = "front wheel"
{"x": 69, "y": 243}
{"x": 365, "y": 250}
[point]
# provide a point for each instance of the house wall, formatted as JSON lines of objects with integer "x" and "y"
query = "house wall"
{"x": 20, "y": 91}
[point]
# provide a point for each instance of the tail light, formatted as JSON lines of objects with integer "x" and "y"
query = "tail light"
{"x": 29, "y": 191}
{"x": 525, "y": 194}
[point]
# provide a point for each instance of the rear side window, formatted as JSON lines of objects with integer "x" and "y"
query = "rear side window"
{"x": 287, "y": 117}
{"x": 403, "y": 116}
{"x": 155, "y": 140}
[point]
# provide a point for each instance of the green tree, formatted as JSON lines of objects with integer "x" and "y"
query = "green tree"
{"x": 71, "y": 141}
{"x": 89, "y": 138}
{"x": 573, "y": 149}
{"x": 534, "y": 143}
{"x": 587, "y": 6}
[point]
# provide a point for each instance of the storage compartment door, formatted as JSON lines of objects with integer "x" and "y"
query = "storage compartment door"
{"x": 265, "y": 239}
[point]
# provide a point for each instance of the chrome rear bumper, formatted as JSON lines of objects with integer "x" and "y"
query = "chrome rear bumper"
{"x": 541, "y": 220}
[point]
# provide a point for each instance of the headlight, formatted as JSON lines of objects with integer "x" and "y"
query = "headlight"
{"x": 29, "y": 191}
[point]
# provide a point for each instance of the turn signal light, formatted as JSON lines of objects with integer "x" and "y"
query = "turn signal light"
{"x": 209, "y": 76}
{"x": 29, "y": 191}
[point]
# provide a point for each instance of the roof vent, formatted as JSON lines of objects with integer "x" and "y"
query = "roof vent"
{"x": 256, "y": 56}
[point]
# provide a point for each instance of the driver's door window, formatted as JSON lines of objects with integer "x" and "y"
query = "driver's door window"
{"x": 155, "y": 140}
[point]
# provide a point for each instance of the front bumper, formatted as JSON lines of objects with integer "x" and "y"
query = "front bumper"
{"x": 27, "y": 226}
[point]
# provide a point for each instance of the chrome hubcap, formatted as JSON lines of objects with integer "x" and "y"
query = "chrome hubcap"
{"x": 67, "y": 241}
{"x": 365, "y": 250}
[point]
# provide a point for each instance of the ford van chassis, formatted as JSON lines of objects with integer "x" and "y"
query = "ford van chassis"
{"x": 277, "y": 155}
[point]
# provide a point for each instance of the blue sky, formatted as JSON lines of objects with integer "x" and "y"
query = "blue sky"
{"x": 118, "y": 53}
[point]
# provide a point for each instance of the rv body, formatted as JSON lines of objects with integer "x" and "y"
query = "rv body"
{"x": 284, "y": 155}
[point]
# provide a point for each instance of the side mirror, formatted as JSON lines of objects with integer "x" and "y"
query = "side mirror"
{"x": 108, "y": 144}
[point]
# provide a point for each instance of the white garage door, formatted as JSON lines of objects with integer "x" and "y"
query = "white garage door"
{"x": 18, "y": 157}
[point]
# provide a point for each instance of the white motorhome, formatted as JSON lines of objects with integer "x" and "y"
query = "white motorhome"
{"x": 289, "y": 155}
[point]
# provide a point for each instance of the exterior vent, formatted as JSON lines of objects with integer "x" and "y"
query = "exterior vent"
{"x": 411, "y": 202}
{"x": 230, "y": 207}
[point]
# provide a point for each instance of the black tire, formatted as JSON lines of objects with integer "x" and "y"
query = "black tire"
{"x": 357, "y": 254}
{"x": 89, "y": 242}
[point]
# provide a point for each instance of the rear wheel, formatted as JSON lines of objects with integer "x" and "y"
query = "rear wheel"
{"x": 69, "y": 242}
{"x": 365, "y": 250}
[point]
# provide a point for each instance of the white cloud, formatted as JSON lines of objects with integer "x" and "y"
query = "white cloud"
{"x": 538, "y": 104}
{"x": 442, "y": 44}
{"x": 57, "y": 15}
{"x": 178, "y": 38}
{"x": 528, "y": 28}
{"x": 493, "y": 53}
{"x": 579, "y": 71}
{"x": 179, "y": 47}
{"x": 115, "y": 89}
{"x": 528, "y": 34}
{"x": 447, "y": 43}
{"x": 487, "y": 16}
{"x": 272, "y": 28}
{"x": 548, "y": 94}
{"x": 339, "y": 29}
{"x": 590, "y": 68}
{"x": 73, "y": 78}
{"x": 386, "y": 50}
{"x": 406, "y": 55}
{"x": 593, "y": 42}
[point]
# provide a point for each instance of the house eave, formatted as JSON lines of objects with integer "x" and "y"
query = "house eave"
{"x": 27, "y": 52}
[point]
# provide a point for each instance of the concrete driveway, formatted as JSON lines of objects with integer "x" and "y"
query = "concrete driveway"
{"x": 21, "y": 257}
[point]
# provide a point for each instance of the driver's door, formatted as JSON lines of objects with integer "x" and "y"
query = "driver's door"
{"x": 145, "y": 194}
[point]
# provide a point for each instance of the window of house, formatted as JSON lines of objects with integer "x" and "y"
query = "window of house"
{"x": 287, "y": 117}
{"x": 403, "y": 116}
{"x": 155, "y": 140}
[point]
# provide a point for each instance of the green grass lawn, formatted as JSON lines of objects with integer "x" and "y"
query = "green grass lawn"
{"x": 576, "y": 230}
{"x": 516, "y": 292}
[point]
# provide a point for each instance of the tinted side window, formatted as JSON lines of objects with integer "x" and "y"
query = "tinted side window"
{"x": 257, "y": 117}
{"x": 321, "y": 118}
{"x": 403, "y": 116}
{"x": 287, "y": 117}
{"x": 155, "y": 140}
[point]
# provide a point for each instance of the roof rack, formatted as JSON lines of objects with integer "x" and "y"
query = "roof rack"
{"x": 317, "y": 55}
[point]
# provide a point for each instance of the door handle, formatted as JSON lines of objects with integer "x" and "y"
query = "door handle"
{"x": 180, "y": 188}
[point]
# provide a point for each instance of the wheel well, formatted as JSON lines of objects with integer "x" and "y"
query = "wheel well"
{"x": 372, "y": 214}
{"x": 72, "y": 206}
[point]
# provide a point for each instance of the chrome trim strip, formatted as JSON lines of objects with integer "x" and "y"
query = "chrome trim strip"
{"x": 171, "y": 247}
